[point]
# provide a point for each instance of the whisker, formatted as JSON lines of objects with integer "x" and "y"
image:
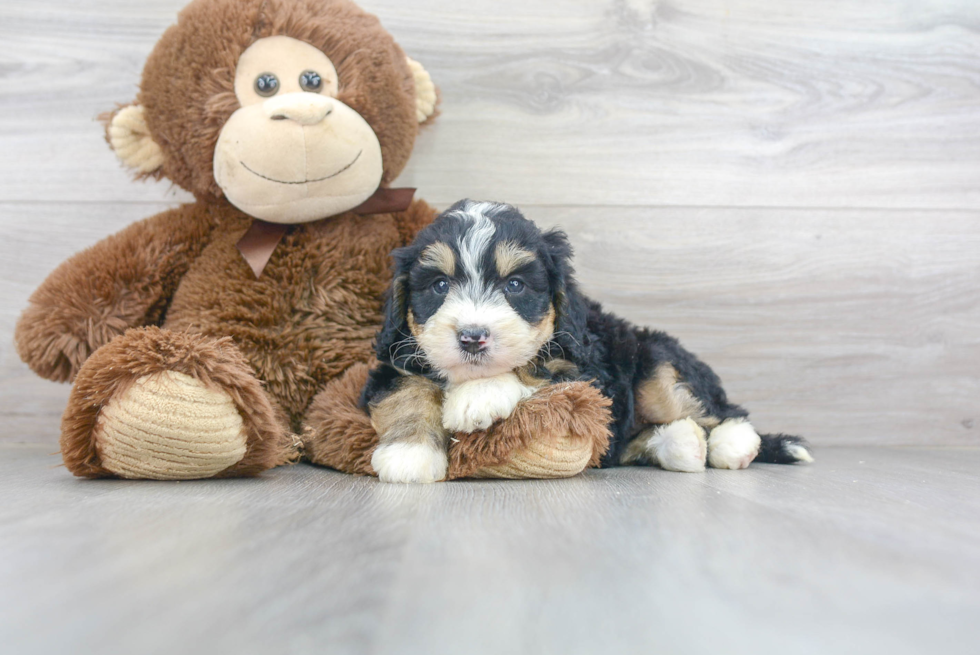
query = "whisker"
{"x": 551, "y": 344}
{"x": 417, "y": 356}
{"x": 569, "y": 335}
{"x": 398, "y": 347}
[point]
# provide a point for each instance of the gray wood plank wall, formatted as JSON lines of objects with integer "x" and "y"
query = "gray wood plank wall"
{"x": 789, "y": 186}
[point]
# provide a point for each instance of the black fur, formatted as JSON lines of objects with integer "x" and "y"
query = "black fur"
{"x": 775, "y": 448}
{"x": 608, "y": 351}
{"x": 619, "y": 355}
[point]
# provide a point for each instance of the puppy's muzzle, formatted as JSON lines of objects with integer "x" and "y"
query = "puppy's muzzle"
{"x": 473, "y": 339}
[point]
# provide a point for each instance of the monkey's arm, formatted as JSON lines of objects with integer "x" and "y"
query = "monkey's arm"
{"x": 124, "y": 281}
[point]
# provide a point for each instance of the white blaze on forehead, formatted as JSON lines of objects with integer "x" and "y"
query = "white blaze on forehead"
{"x": 478, "y": 235}
{"x": 474, "y": 243}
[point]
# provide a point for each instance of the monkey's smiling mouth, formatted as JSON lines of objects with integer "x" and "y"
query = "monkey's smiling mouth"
{"x": 319, "y": 179}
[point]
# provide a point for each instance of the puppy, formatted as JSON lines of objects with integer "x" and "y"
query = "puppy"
{"x": 483, "y": 311}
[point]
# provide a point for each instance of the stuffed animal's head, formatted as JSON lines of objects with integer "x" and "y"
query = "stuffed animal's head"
{"x": 293, "y": 110}
{"x": 481, "y": 291}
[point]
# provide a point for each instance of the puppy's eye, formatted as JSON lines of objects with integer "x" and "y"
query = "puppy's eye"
{"x": 441, "y": 286}
{"x": 514, "y": 285}
{"x": 266, "y": 85}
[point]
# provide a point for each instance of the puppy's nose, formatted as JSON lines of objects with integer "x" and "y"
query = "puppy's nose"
{"x": 304, "y": 108}
{"x": 473, "y": 340}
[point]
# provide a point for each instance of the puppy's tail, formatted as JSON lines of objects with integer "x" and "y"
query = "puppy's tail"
{"x": 783, "y": 449}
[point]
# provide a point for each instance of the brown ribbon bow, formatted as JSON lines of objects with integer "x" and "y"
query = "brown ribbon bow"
{"x": 260, "y": 240}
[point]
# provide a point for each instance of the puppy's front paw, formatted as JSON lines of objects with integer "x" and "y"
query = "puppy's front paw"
{"x": 470, "y": 412}
{"x": 476, "y": 404}
{"x": 409, "y": 462}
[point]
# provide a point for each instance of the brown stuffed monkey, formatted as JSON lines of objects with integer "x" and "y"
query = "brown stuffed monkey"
{"x": 231, "y": 335}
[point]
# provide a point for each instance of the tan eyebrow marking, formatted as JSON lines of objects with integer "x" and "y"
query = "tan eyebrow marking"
{"x": 439, "y": 256}
{"x": 509, "y": 257}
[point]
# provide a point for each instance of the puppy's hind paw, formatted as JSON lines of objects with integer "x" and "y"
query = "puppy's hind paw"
{"x": 409, "y": 462}
{"x": 733, "y": 445}
{"x": 678, "y": 446}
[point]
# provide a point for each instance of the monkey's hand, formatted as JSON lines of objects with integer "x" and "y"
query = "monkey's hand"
{"x": 122, "y": 282}
{"x": 475, "y": 404}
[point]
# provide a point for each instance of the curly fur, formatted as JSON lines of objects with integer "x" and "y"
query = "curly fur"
{"x": 648, "y": 377}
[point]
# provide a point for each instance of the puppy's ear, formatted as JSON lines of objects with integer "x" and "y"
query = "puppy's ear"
{"x": 571, "y": 310}
{"x": 395, "y": 326}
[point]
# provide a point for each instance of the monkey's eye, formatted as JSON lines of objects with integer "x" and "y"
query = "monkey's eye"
{"x": 310, "y": 81}
{"x": 441, "y": 286}
{"x": 514, "y": 285}
{"x": 266, "y": 85}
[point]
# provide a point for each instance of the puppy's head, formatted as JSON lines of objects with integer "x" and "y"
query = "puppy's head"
{"x": 478, "y": 293}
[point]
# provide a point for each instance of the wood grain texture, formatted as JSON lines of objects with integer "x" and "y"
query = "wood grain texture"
{"x": 868, "y": 551}
{"x": 634, "y": 102}
{"x": 790, "y": 187}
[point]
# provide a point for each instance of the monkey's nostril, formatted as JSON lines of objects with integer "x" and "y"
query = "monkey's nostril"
{"x": 304, "y": 118}
{"x": 303, "y": 108}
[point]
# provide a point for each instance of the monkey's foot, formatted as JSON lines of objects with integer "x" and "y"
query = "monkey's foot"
{"x": 169, "y": 426}
{"x": 160, "y": 405}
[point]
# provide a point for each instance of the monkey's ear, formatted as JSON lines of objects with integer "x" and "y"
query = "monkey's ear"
{"x": 426, "y": 96}
{"x": 132, "y": 142}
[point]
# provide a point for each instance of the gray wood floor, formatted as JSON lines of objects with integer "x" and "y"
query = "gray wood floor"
{"x": 789, "y": 187}
{"x": 872, "y": 550}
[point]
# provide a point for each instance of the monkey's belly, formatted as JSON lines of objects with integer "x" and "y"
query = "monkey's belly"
{"x": 312, "y": 313}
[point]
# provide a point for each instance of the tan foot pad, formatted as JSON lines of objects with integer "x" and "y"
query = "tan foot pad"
{"x": 561, "y": 458}
{"x": 169, "y": 426}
